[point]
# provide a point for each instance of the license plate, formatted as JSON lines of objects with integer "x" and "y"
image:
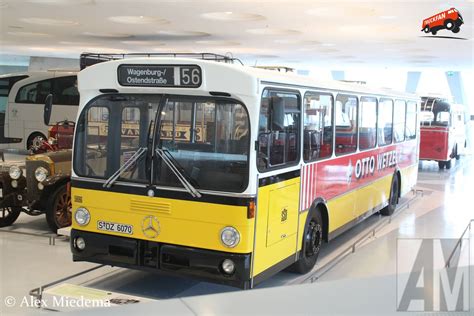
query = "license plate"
{"x": 115, "y": 227}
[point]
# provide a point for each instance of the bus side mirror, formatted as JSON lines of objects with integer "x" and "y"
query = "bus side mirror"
{"x": 48, "y": 105}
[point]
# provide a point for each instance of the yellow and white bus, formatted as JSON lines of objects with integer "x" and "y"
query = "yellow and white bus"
{"x": 229, "y": 173}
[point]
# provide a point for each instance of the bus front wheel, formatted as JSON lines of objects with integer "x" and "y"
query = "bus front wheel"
{"x": 8, "y": 215}
{"x": 312, "y": 241}
{"x": 393, "y": 200}
{"x": 456, "y": 29}
{"x": 426, "y": 29}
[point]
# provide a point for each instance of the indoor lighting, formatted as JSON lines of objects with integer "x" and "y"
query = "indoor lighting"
{"x": 130, "y": 19}
{"x": 52, "y": 22}
{"x": 232, "y": 16}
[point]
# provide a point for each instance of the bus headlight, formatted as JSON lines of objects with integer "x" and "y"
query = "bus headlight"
{"x": 82, "y": 216}
{"x": 15, "y": 172}
{"x": 230, "y": 237}
{"x": 41, "y": 173}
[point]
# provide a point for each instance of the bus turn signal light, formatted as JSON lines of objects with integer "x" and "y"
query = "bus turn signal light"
{"x": 251, "y": 210}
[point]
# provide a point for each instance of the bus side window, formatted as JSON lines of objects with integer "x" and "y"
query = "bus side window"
{"x": 385, "y": 122}
{"x": 368, "y": 122}
{"x": 399, "y": 121}
{"x": 318, "y": 123}
{"x": 34, "y": 92}
{"x": 65, "y": 91}
{"x": 278, "y": 140}
{"x": 410, "y": 127}
{"x": 346, "y": 124}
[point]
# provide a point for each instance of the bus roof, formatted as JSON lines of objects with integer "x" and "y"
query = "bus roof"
{"x": 241, "y": 79}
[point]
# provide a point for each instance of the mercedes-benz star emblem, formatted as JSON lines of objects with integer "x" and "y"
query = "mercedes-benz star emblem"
{"x": 151, "y": 226}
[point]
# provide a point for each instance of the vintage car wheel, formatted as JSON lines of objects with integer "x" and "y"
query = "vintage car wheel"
{"x": 8, "y": 215}
{"x": 58, "y": 209}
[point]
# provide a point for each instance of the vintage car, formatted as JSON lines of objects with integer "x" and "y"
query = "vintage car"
{"x": 38, "y": 185}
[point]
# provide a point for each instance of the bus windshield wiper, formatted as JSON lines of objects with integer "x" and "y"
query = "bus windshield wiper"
{"x": 168, "y": 159}
{"x": 127, "y": 165}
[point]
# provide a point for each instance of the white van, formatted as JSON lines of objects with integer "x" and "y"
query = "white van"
{"x": 22, "y": 97}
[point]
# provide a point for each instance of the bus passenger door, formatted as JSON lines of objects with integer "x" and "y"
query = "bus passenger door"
{"x": 277, "y": 224}
{"x": 278, "y": 194}
{"x": 282, "y": 215}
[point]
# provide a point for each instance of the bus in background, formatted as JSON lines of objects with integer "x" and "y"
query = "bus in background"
{"x": 228, "y": 173}
{"x": 23, "y": 97}
{"x": 442, "y": 131}
{"x": 6, "y": 84}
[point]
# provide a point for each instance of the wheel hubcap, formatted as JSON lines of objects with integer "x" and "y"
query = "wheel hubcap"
{"x": 313, "y": 239}
{"x": 37, "y": 142}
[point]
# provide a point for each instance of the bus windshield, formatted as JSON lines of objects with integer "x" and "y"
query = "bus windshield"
{"x": 205, "y": 138}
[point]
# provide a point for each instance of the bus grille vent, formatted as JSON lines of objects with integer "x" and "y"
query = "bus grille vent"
{"x": 142, "y": 206}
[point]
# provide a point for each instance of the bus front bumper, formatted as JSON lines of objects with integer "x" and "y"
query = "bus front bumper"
{"x": 159, "y": 257}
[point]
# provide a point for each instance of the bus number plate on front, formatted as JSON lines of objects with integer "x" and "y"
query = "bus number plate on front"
{"x": 115, "y": 227}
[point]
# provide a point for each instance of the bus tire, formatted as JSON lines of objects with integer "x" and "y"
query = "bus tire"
{"x": 34, "y": 142}
{"x": 448, "y": 164}
{"x": 434, "y": 32}
{"x": 312, "y": 241}
{"x": 426, "y": 29}
{"x": 441, "y": 164}
{"x": 456, "y": 29}
{"x": 8, "y": 215}
{"x": 393, "y": 199}
{"x": 58, "y": 209}
{"x": 449, "y": 24}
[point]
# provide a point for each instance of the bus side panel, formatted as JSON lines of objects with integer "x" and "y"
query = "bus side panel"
{"x": 277, "y": 224}
{"x": 409, "y": 177}
{"x": 373, "y": 195}
{"x": 341, "y": 210}
{"x": 434, "y": 143}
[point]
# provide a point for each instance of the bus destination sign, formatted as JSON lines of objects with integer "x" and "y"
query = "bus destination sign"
{"x": 186, "y": 76}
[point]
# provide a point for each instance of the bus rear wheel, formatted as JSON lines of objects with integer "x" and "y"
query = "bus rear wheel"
{"x": 393, "y": 199}
{"x": 58, "y": 209}
{"x": 8, "y": 215}
{"x": 448, "y": 164}
{"x": 456, "y": 29}
{"x": 312, "y": 241}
